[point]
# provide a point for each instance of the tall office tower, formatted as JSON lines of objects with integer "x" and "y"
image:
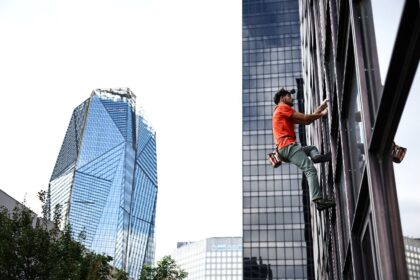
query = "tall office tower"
{"x": 211, "y": 259}
{"x": 276, "y": 222}
{"x": 361, "y": 238}
{"x": 412, "y": 253}
{"x": 105, "y": 178}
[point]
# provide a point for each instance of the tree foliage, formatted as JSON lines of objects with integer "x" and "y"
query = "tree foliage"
{"x": 31, "y": 249}
{"x": 166, "y": 269}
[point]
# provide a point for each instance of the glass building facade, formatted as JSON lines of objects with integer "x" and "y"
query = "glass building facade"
{"x": 276, "y": 221}
{"x": 412, "y": 253}
{"x": 105, "y": 179}
{"x": 360, "y": 238}
{"x": 216, "y": 258}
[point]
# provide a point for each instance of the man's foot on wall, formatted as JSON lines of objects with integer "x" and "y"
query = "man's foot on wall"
{"x": 322, "y": 158}
{"x": 324, "y": 203}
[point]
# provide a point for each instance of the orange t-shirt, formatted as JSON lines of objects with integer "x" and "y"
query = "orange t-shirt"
{"x": 283, "y": 125}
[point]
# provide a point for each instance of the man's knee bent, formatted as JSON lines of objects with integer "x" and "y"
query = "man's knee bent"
{"x": 310, "y": 170}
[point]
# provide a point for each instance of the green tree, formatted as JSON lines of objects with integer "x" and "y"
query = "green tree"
{"x": 119, "y": 274}
{"x": 22, "y": 247}
{"x": 166, "y": 269}
{"x": 31, "y": 249}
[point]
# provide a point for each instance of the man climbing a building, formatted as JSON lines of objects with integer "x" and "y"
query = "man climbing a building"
{"x": 284, "y": 120}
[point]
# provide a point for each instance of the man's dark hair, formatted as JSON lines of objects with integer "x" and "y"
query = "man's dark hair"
{"x": 280, "y": 93}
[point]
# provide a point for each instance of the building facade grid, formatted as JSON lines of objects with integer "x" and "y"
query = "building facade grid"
{"x": 105, "y": 179}
{"x": 276, "y": 224}
{"x": 361, "y": 238}
{"x": 412, "y": 253}
{"x": 216, "y": 258}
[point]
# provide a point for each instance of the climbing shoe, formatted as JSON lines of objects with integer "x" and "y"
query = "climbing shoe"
{"x": 322, "y": 158}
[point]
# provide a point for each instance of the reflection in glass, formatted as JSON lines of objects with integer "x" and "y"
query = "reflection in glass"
{"x": 105, "y": 178}
{"x": 355, "y": 132}
{"x": 257, "y": 270}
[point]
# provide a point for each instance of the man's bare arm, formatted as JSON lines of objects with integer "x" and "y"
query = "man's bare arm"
{"x": 307, "y": 119}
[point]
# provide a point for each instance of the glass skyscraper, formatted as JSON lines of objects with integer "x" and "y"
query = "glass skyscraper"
{"x": 276, "y": 219}
{"x": 105, "y": 178}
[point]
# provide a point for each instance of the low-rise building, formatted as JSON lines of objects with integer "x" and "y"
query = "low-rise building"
{"x": 213, "y": 258}
{"x": 412, "y": 254}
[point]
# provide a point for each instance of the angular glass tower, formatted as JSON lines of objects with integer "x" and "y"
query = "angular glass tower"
{"x": 105, "y": 178}
{"x": 277, "y": 241}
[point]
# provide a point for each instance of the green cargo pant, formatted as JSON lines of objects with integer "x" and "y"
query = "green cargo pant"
{"x": 298, "y": 155}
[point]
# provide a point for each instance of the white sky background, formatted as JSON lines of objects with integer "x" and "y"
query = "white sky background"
{"x": 386, "y": 16}
{"x": 182, "y": 59}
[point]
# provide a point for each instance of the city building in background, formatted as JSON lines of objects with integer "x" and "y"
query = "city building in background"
{"x": 211, "y": 259}
{"x": 361, "y": 238}
{"x": 105, "y": 179}
{"x": 9, "y": 203}
{"x": 277, "y": 240}
{"x": 412, "y": 253}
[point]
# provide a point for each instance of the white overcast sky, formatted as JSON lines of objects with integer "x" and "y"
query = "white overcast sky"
{"x": 182, "y": 59}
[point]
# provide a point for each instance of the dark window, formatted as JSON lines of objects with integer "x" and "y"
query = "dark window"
{"x": 369, "y": 264}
